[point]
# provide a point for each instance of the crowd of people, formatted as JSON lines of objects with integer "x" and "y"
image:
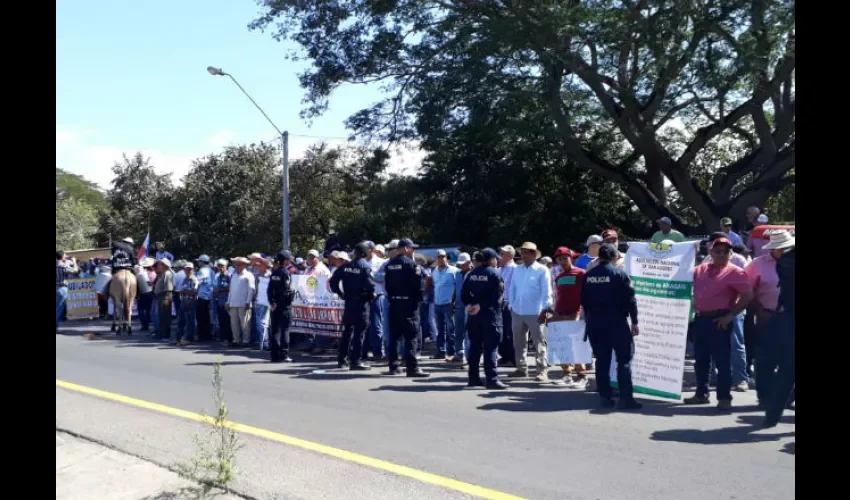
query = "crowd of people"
{"x": 496, "y": 303}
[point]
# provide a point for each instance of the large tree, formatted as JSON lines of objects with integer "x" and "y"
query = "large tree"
{"x": 136, "y": 194}
{"x": 622, "y": 72}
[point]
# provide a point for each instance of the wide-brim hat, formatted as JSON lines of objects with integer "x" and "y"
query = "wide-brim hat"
{"x": 165, "y": 262}
{"x": 780, "y": 240}
{"x": 240, "y": 260}
{"x": 531, "y": 246}
{"x": 147, "y": 262}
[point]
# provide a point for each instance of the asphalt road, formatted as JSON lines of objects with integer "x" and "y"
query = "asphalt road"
{"x": 534, "y": 441}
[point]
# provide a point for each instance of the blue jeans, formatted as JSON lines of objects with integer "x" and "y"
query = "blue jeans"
{"x": 738, "y": 354}
{"x": 427, "y": 321}
{"x": 155, "y": 314}
{"x": 461, "y": 335}
{"x": 378, "y": 334}
{"x": 61, "y": 303}
{"x": 214, "y": 317}
{"x": 261, "y": 323}
{"x": 444, "y": 317}
{"x": 186, "y": 321}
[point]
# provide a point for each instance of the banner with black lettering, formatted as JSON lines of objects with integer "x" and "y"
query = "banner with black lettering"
{"x": 316, "y": 310}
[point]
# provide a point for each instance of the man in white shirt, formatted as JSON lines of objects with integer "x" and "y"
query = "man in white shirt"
{"x": 379, "y": 315}
{"x": 239, "y": 302}
{"x": 315, "y": 266}
{"x": 530, "y": 298}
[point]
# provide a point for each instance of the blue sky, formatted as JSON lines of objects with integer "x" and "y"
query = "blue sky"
{"x": 131, "y": 76}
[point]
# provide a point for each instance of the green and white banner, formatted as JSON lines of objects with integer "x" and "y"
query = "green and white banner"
{"x": 663, "y": 278}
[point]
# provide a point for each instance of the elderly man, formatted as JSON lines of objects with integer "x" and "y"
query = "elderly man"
{"x": 241, "y": 293}
{"x": 464, "y": 265}
{"x": 666, "y": 232}
{"x": 783, "y": 335}
{"x": 205, "y": 277}
{"x": 531, "y": 297}
{"x": 163, "y": 291}
{"x": 507, "y": 355}
{"x": 721, "y": 293}
{"x": 764, "y": 280}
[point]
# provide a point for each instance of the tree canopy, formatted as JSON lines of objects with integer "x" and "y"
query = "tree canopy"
{"x": 643, "y": 94}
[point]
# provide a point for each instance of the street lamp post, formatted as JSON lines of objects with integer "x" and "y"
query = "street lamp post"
{"x": 284, "y": 159}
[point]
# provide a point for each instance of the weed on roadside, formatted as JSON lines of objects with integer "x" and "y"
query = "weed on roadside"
{"x": 213, "y": 466}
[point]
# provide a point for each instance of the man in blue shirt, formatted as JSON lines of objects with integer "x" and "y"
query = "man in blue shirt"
{"x": 443, "y": 279}
{"x": 464, "y": 265}
{"x": 726, "y": 227}
{"x": 205, "y": 295}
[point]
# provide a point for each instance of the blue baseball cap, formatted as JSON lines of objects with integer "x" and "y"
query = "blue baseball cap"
{"x": 407, "y": 242}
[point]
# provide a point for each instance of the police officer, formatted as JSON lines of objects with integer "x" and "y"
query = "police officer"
{"x": 358, "y": 291}
{"x": 608, "y": 298}
{"x": 405, "y": 283}
{"x": 280, "y": 297}
{"x": 482, "y": 292}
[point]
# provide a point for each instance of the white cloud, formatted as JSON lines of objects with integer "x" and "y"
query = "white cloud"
{"x": 78, "y": 151}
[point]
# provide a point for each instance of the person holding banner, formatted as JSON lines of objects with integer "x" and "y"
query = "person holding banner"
{"x": 568, "y": 284}
{"x": 482, "y": 292}
{"x": 358, "y": 292}
{"x": 608, "y": 300}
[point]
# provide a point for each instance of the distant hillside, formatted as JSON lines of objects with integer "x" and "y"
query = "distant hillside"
{"x": 70, "y": 185}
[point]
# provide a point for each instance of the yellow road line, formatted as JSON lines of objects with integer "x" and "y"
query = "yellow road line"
{"x": 425, "y": 477}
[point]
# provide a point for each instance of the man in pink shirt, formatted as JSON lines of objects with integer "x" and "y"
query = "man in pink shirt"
{"x": 765, "y": 283}
{"x": 721, "y": 292}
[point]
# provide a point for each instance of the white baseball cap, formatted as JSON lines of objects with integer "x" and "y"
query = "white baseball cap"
{"x": 508, "y": 248}
{"x": 380, "y": 248}
{"x": 343, "y": 256}
{"x": 313, "y": 253}
{"x": 392, "y": 245}
{"x": 594, "y": 238}
{"x": 762, "y": 219}
{"x": 463, "y": 258}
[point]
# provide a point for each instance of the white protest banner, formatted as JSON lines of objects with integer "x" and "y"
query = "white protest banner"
{"x": 315, "y": 310}
{"x": 663, "y": 278}
{"x": 565, "y": 344}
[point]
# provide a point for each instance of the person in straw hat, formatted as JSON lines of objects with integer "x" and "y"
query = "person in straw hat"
{"x": 764, "y": 278}
{"x": 163, "y": 292}
{"x": 531, "y": 297}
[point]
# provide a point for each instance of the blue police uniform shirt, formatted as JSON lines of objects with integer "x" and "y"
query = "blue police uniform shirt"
{"x": 483, "y": 286}
{"x": 280, "y": 283}
{"x": 358, "y": 287}
{"x": 404, "y": 278}
{"x": 608, "y": 294}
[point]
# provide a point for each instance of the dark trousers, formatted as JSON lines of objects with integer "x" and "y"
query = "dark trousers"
{"x": 102, "y": 305}
{"x": 145, "y": 304}
{"x": 752, "y": 336}
{"x": 506, "y": 347}
{"x": 608, "y": 338}
{"x": 782, "y": 355}
{"x": 225, "y": 334}
{"x": 279, "y": 334}
{"x": 712, "y": 343}
{"x": 404, "y": 324}
{"x": 355, "y": 326}
{"x": 164, "y": 315}
{"x": 485, "y": 334}
{"x": 202, "y": 315}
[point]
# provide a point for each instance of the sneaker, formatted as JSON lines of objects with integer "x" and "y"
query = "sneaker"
{"x": 541, "y": 377}
{"x": 497, "y": 384}
{"x": 724, "y": 404}
{"x": 564, "y": 382}
{"x": 697, "y": 400}
{"x": 741, "y": 387}
{"x": 394, "y": 371}
{"x": 580, "y": 383}
{"x": 519, "y": 373}
{"x": 360, "y": 367}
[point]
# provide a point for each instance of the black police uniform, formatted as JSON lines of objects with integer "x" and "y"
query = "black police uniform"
{"x": 280, "y": 296}
{"x": 405, "y": 283}
{"x": 483, "y": 286}
{"x": 358, "y": 290}
{"x": 607, "y": 299}
{"x": 123, "y": 257}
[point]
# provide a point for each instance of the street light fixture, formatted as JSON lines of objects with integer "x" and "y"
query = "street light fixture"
{"x": 284, "y": 139}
